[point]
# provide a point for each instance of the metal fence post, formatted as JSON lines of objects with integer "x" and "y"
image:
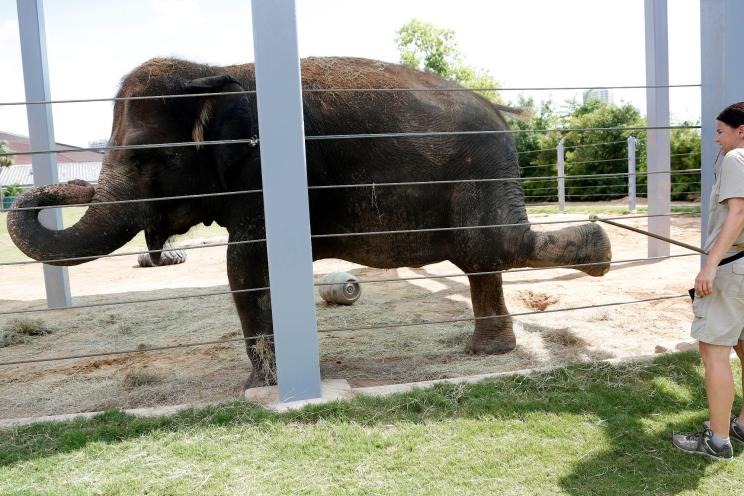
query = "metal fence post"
{"x": 286, "y": 205}
{"x": 41, "y": 132}
{"x": 658, "y": 190}
{"x": 561, "y": 150}
{"x": 632, "y": 174}
{"x": 722, "y": 83}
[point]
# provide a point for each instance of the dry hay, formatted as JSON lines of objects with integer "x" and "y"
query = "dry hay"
{"x": 23, "y": 330}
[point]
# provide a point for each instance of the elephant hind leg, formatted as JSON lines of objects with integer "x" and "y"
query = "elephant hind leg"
{"x": 493, "y": 332}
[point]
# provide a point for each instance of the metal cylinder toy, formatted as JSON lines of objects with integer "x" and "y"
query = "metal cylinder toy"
{"x": 340, "y": 288}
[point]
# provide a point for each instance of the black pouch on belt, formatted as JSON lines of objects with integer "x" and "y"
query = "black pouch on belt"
{"x": 722, "y": 262}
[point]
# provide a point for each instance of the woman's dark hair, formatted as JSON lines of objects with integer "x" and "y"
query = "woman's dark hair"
{"x": 733, "y": 115}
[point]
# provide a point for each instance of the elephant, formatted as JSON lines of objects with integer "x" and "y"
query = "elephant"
{"x": 471, "y": 179}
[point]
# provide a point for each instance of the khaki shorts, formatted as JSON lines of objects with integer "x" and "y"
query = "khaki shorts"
{"x": 719, "y": 317}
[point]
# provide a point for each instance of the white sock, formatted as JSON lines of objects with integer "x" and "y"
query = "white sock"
{"x": 719, "y": 442}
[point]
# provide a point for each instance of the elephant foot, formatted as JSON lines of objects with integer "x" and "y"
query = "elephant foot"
{"x": 259, "y": 379}
{"x": 479, "y": 345}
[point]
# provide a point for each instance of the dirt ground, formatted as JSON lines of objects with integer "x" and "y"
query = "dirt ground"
{"x": 363, "y": 357}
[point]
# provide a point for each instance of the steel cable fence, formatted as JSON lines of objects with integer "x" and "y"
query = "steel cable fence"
{"x": 338, "y": 329}
{"x": 334, "y": 235}
{"x": 254, "y": 141}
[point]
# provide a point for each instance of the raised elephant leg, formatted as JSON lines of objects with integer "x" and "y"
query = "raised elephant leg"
{"x": 247, "y": 268}
{"x": 491, "y": 336}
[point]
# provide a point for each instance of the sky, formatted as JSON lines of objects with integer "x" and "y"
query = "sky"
{"x": 92, "y": 44}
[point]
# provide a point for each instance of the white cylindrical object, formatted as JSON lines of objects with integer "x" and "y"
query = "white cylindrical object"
{"x": 340, "y": 288}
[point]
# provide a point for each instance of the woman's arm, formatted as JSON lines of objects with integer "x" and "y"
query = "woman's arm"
{"x": 731, "y": 229}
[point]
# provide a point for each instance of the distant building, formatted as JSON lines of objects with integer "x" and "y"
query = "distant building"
{"x": 21, "y": 144}
{"x": 72, "y": 163}
{"x": 602, "y": 94}
{"x": 99, "y": 143}
{"x": 23, "y": 175}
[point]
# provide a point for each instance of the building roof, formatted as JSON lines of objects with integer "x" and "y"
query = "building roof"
{"x": 23, "y": 175}
{"x": 21, "y": 144}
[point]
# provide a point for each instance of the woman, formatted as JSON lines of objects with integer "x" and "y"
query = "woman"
{"x": 719, "y": 291}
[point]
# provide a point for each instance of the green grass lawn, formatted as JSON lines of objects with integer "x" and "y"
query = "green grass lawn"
{"x": 586, "y": 429}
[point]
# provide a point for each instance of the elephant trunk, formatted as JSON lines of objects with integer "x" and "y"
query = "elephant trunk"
{"x": 585, "y": 244}
{"x": 101, "y": 230}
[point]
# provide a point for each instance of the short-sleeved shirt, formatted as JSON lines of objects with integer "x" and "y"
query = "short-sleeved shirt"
{"x": 729, "y": 184}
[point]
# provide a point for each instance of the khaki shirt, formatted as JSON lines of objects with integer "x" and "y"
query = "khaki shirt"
{"x": 729, "y": 184}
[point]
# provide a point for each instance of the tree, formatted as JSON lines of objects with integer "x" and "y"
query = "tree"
{"x": 602, "y": 151}
{"x": 426, "y": 47}
{"x": 6, "y": 160}
{"x": 536, "y": 150}
{"x": 685, "y": 155}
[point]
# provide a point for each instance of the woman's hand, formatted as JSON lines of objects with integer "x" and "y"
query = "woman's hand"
{"x": 704, "y": 281}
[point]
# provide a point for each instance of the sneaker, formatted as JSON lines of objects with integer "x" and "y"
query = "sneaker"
{"x": 699, "y": 444}
{"x": 736, "y": 431}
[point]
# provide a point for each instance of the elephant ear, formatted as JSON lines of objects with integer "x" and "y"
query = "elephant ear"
{"x": 222, "y": 117}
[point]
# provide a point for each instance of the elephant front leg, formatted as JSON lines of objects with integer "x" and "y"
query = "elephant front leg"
{"x": 247, "y": 269}
{"x": 492, "y": 335}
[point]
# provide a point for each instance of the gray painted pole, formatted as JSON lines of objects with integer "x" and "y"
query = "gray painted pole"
{"x": 561, "y": 151}
{"x": 285, "y": 192}
{"x": 722, "y": 81}
{"x": 41, "y": 132}
{"x": 657, "y": 102}
{"x": 632, "y": 174}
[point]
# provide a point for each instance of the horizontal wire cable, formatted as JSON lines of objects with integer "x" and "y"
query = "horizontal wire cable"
{"x": 327, "y": 137}
{"x": 608, "y": 186}
{"x": 138, "y": 200}
{"x": 523, "y": 167}
{"x": 571, "y": 147}
{"x": 131, "y": 253}
{"x": 329, "y": 90}
{"x": 465, "y": 228}
{"x": 232, "y": 243}
{"x": 500, "y": 179}
{"x": 130, "y": 302}
{"x": 623, "y": 195}
{"x": 505, "y": 316}
{"x": 181, "y": 144}
{"x": 368, "y": 281}
{"x": 357, "y": 185}
{"x": 128, "y": 352}
{"x": 624, "y": 159}
{"x": 509, "y": 271}
{"x": 435, "y": 134}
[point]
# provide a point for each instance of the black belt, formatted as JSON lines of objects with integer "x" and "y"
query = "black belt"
{"x": 724, "y": 261}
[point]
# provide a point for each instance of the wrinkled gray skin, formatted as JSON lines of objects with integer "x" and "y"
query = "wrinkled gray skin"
{"x": 137, "y": 174}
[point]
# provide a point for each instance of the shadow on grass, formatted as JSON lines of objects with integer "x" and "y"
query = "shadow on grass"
{"x": 626, "y": 398}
